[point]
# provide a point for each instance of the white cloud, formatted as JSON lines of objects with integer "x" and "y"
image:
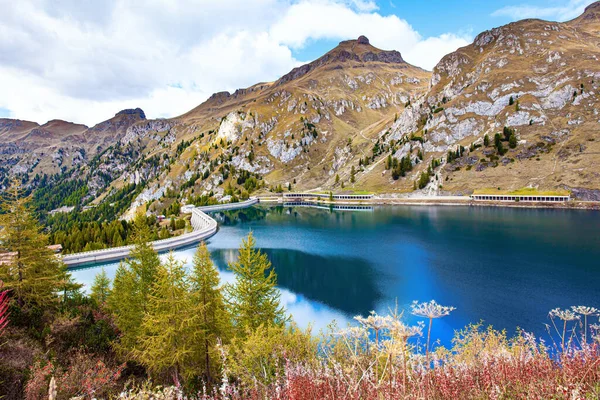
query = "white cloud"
{"x": 427, "y": 53}
{"x": 568, "y": 10}
{"x": 84, "y": 61}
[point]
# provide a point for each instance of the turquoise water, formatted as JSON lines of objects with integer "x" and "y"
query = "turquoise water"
{"x": 507, "y": 267}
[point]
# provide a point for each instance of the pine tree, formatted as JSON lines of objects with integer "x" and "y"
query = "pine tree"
{"x": 214, "y": 321}
{"x": 125, "y": 303}
{"x": 133, "y": 282}
{"x": 168, "y": 333}
{"x": 253, "y": 298}
{"x": 143, "y": 259}
{"x": 512, "y": 141}
{"x": 100, "y": 288}
{"x": 32, "y": 272}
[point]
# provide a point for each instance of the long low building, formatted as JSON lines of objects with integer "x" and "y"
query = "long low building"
{"x": 520, "y": 198}
{"x": 327, "y": 196}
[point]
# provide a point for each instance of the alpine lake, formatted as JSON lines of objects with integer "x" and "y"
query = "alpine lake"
{"x": 506, "y": 267}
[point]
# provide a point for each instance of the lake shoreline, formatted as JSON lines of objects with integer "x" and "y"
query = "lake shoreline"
{"x": 451, "y": 201}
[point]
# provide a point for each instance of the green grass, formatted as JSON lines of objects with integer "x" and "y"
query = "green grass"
{"x": 523, "y": 192}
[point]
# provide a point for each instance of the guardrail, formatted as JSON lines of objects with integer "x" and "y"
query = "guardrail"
{"x": 202, "y": 224}
{"x": 229, "y": 206}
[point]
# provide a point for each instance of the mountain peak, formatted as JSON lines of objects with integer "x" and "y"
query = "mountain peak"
{"x": 362, "y": 40}
{"x": 593, "y": 8}
{"x": 132, "y": 111}
{"x": 357, "y": 50}
{"x": 590, "y": 15}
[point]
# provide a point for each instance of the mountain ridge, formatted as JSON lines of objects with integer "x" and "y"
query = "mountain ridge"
{"x": 339, "y": 122}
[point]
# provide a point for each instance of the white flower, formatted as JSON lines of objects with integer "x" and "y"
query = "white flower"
{"x": 375, "y": 322}
{"x": 565, "y": 315}
{"x": 430, "y": 309}
{"x": 403, "y": 331}
{"x": 583, "y": 310}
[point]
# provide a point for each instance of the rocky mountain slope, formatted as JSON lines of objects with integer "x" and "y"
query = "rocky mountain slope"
{"x": 518, "y": 107}
{"x": 539, "y": 79}
{"x": 27, "y": 148}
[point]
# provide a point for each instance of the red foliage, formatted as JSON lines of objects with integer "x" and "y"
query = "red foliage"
{"x": 534, "y": 376}
{"x": 4, "y": 300}
{"x": 85, "y": 376}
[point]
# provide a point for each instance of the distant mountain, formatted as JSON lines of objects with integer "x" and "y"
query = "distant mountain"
{"x": 357, "y": 108}
{"x": 29, "y": 148}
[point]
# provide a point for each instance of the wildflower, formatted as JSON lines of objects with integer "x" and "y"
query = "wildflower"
{"x": 596, "y": 329}
{"x": 565, "y": 316}
{"x": 400, "y": 330}
{"x": 375, "y": 322}
{"x": 586, "y": 312}
{"x": 430, "y": 310}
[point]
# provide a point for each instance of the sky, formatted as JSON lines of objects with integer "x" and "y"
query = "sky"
{"x": 85, "y": 60}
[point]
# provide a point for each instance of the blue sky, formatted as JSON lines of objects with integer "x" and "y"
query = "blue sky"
{"x": 83, "y": 61}
{"x": 469, "y": 17}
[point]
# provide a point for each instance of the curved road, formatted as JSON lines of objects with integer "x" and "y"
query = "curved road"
{"x": 203, "y": 227}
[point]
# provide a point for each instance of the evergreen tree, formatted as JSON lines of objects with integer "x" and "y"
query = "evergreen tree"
{"x": 32, "y": 272}
{"x": 133, "y": 282}
{"x": 512, "y": 141}
{"x": 143, "y": 259}
{"x": 214, "y": 319}
{"x": 125, "y": 303}
{"x": 486, "y": 140}
{"x": 253, "y": 298}
{"x": 100, "y": 288}
{"x": 168, "y": 333}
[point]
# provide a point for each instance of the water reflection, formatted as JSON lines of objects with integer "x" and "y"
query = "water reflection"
{"x": 344, "y": 283}
{"x": 506, "y": 266}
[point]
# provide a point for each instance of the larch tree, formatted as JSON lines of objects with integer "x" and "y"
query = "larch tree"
{"x": 169, "y": 333}
{"x": 254, "y": 297}
{"x": 125, "y": 302}
{"x": 100, "y": 288}
{"x": 143, "y": 259}
{"x": 128, "y": 299}
{"x": 31, "y": 271}
{"x": 214, "y": 321}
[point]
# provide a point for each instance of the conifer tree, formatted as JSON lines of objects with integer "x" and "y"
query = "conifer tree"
{"x": 100, "y": 288}
{"x": 32, "y": 272}
{"x": 169, "y": 335}
{"x": 125, "y": 303}
{"x": 254, "y": 298}
{"x": 133, "y": 282}
{"x": 143, "y": 259}
{"x": 214, "y": 320}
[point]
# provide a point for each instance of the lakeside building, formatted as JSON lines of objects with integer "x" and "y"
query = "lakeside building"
{"x": 521, "y": 198}
{"x": 299, "y": 196}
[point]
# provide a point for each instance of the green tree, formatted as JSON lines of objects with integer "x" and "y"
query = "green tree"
{"x": 168, "y": 333}
{"x": 143, "y": 259}
{"x": 32, "y": 272}
{"x": 253, "y": 298}
{"x": 133, "y": 282}
{"x": 100, "y": 288}
{"x": 214, "y": 321}
{"x": 486, "y": 140}
{"x": 512, "y": 141}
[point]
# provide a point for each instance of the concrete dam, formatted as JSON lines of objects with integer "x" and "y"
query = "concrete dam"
{"x": 203, "y": 227}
